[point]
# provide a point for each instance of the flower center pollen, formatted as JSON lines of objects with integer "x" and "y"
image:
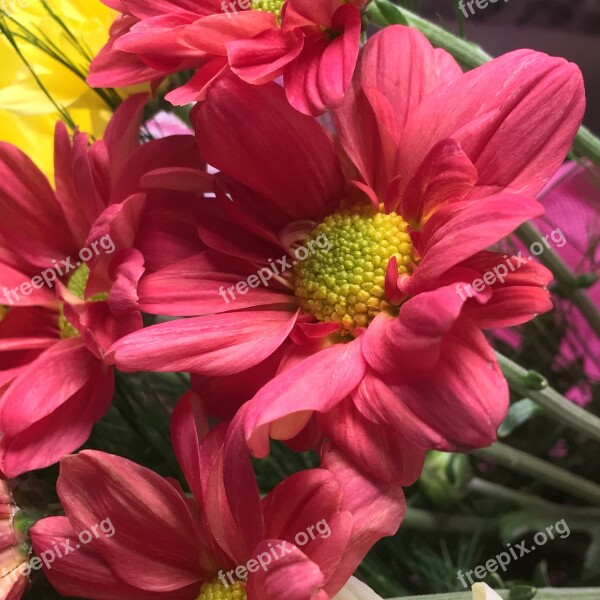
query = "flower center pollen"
{"x": 217, "y": 590}
{"x": 345, "y": 281}
{"x": 272, "y": 6}
{"x": 76, "y": 285}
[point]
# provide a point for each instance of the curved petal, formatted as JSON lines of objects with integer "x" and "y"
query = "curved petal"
{"x": 158, "y": 558}
{"x": 59, "y": 373}
{"x": 446, "y": 175}
{"x": 523, "y": 106}
{"x": 286, "y": 157}
{"x": 205, "y": 284}
{"x": 263, "y": 57}
{"x": 28, "y": 199}
{"x": 411, "y": 342}
{"x": 50, "y": 438}
{"x": 317, "y": 383}
{"x": 518, "y": 285}
{"x": 83, "y": 571}
{"x": 211, "y": 345}
{"x": 375, "y": 448}
{"x": 293, "y": 576}
{"x": 467, "y": 395}
{"x": 377, "y": 510}
{"x": 459, "y": 230}
{"x": 397, "y": 69}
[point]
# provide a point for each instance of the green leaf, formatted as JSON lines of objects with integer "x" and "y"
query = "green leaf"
{"x": 518, "y": 414}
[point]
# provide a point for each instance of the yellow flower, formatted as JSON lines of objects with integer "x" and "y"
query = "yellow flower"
{"x": 76, "y": 32}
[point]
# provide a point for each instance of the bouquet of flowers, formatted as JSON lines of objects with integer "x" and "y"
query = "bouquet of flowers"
{"x": 257, "y": 264}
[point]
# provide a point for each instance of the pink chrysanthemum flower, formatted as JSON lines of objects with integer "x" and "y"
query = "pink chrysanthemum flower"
{"x": 302, "y": 540}
{"x": 312, "y": 43}
{"x": 70, "y": 260}
{"x": 364, "y": 334}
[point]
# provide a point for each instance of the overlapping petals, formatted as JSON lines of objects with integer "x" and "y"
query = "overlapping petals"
{"x": 314, "y": 45}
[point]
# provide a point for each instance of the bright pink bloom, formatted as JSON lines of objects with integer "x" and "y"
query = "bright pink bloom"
{"x": 312, "y": 43}
{"x": 54, "y": 381}
{"x": 167, "y": 545}
{"x": 457, "y": 158}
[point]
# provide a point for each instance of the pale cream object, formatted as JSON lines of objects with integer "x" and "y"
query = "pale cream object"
{"x": 481, "y": 591}
{"x": 356, "y": 590}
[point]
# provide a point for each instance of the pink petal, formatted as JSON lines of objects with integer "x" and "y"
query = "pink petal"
{"x": 517, "y": 296}
{"x": 457, "y": 231}
{"x": 502, "y": 109}
{"x": 213, "y": 33}
{"x": 340, "y": 56}
{"x": 161, "y": 558}
{"x": 397, "y": 69}
{"x": 61, "y": 371}
{"x": 377, "y": 511}
{"x": 297, "y": 171}
{"x": 294, "y": 576}
{"x": 375, "y": 448}
{"x": 223, "y": 396}
{"x": 84, "y": 571}
{"x": 467, "y": 395}
{"x": 412, "y": 341}
{"x": 50, "y": 438}
{"x": 198, "y": 285}
{"x": 263, "y": 57}
{"x": 210, "y": 345}
{"x": 316, "y": 383}
{"x": 29, "y": 201}
{"x": 446, "y": 175}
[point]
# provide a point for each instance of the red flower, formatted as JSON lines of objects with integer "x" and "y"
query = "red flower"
{"x": 54, "y": 380}
{"x": 312, "y": 43}
{"x": 166, "y": 545}
{"x": 367, "y": 338}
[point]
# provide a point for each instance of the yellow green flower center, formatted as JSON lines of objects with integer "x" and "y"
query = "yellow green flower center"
{"x": 345, "y": 281}
{"x": 272, "y": 6}
{"x": 217, "y": 590}
{"x": 76, "y": 285}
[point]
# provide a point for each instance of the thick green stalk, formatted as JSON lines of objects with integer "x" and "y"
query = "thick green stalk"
{"x": 525, "y": 500}
{"x": 547, "y": 473}
{"x": 424, "y": 520}
{"x": 384, "y": 12}
{"x": 533, "y": 385}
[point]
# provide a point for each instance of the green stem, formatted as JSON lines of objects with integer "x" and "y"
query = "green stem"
{"x": 533, "y": 385}
{"x": 567, "y": 282}
{"x": 523, "y": 499}
{"x": 384, "y": 12}
{"x": 424, "y": 520}
{"x": 549, "y": 474}
{"x": 542, "y": 594}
